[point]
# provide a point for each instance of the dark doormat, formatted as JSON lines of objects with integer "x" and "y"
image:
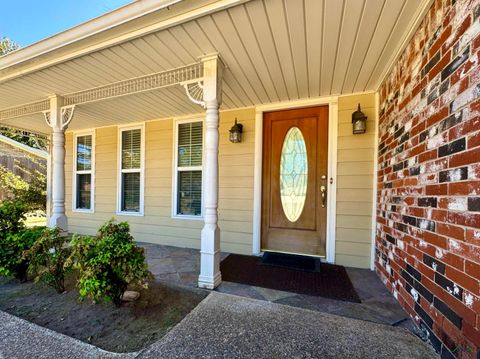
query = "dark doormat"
{"x": 291, "y": 261}
{"x": 331, "y": 282}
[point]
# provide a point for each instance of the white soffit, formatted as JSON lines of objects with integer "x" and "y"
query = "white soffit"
{"x": 274, "y": 50}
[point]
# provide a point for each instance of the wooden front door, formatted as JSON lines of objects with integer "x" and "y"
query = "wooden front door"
{"x": 294, "y": 196}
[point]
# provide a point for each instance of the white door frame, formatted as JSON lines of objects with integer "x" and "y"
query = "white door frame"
{"x": 332, "y": 102}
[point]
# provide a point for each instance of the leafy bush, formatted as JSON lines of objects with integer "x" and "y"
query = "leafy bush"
{"x": 32, "y": 192}
{"x": 108, "y": 263}
{"x": 12, "y": 215}
{"x": 12, "y": 246}
{"x": 47, "y": 258}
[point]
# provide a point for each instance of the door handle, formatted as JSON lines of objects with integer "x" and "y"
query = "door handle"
{"x": 323, "y": 189}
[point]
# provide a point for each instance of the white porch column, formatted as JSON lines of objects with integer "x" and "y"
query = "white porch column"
{"x": 210, "y": 276}
{"x": 58, "y": 118}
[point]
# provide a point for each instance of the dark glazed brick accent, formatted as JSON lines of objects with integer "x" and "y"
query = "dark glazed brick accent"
{"x": 402, "y": 227}
{"x": 415, "y": 171}
{"x": 450, "y": 121}
{"x": 452, "y": 147}
{"x": 424, "y": 292}
{"x": 398, "y": 167}
{"x": 431, "y": 63}
{"x": 408, "y": 278}
{"x": 455, "y": 64}
{"x": 397, "y": 200}
{"x": 427, "y": 201}
{"x": 433, "y": 263}
{"x": 410, "y": 220}
{"x": 447, "y": 284}
{"x": 413, "y": 272}
{"x": 398, "y": 132}
{"x": 391, "y": 239}
{"x": 448, "y": 313}
{"x": 458, "y": 174}
{"x": 422, "y": 314}
{"x": 404, "y": 138}
{"x": 474, "y": 204}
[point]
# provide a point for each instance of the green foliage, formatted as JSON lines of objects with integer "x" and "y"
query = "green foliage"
{"x": 33, "y": 193}
{"x": 47, "y": 258}
{"x": 12, "y": 215}
{"x": 7, "y": 45}
{"x": 108, "y": 263}
{"x": 12, "y": 246}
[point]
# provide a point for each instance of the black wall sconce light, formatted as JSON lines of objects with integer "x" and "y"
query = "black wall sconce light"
{"x": 236, "y": 132}
{"x": 359, "y": 121}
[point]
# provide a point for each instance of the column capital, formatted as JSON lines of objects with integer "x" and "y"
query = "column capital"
{"x": 59, "y": 116}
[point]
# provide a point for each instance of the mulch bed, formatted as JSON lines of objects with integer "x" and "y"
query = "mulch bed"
{"x": 128, "y": 328}
{"x": 331, "y": 281}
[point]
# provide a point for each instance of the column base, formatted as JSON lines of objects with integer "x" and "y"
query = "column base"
{"x": 207, "y": 282}
{"x": 210, "y": 276}
{"x": 60, "y": 221}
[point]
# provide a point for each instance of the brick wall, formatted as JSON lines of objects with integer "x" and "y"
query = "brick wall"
{"x": 428, "y": 214}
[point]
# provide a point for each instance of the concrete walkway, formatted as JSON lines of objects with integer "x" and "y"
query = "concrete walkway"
{"x": 226, "y": 326}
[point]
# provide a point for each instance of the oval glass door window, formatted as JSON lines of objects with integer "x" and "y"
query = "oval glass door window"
{"x": 293, "y": 174}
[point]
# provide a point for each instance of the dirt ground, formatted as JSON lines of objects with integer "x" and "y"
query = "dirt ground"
{"x": 129, "y": 328}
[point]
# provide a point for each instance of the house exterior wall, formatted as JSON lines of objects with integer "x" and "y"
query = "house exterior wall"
{"x": 157, "y": 224}
{"x": 355, "y": 174}
{"x": 236, "y": 185}
{"x": 428, "y": 216}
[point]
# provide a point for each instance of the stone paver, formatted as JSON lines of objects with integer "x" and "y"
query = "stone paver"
{"x": 182, "y": 265}
{"x": 225, "y": 326}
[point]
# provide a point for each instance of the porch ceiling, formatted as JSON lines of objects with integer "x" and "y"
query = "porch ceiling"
{"x": 274, "y": 50}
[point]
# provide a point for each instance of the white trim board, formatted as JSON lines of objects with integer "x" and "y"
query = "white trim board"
{"x": 23, "y": 147}
{"x": 74, "y": 173}
{"x": 176, "y": 123}
{"x": 332, "y": 102}
{"x": 119, "y": 211}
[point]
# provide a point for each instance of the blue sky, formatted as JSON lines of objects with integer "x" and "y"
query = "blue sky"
{"x": 29, "y": 21}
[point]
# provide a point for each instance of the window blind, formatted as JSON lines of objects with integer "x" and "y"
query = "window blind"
{"x": 84, "y": 190}
{"x": 190, "y": 138}
{"x": 190, "y": 193}
{"x": 131, "y": 192}
{"x": 84, "y": 153}
{"x": 131, "y": 149}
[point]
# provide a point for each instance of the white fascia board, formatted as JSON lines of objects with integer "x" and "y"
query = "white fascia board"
{"x": 23, "y": 147}
{"x": 188, "y": 10}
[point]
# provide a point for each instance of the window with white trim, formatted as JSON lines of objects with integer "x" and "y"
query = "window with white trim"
{"x": 131, "y": 167}
{"x": 83, "y": 180}
{"x": 188, "y": 190}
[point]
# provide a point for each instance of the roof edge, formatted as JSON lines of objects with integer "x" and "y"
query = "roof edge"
{"x": 23, "y": 147}
{"x": 91, "y": 27}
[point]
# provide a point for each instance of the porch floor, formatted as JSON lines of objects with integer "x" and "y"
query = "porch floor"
{"x": 182, "y": 265}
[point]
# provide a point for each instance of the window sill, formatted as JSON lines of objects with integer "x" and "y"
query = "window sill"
{"x": 187, "y": 217}
{"x": 134, "y": 214}
{"x": 78, "y": 210}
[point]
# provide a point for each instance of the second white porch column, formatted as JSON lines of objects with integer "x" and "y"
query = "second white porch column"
{"x": 210, "y": 276}
{"x": 58, "y": 119}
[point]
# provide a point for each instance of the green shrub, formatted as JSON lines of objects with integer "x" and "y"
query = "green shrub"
{"x": 108, "y": 263}
{"x": 12, "y": 247}
{"x": 12, "y": 216}
{"x": 47, "y": 258}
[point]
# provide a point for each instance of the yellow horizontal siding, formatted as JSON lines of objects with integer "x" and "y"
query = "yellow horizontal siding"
{"x": 354, "y": 183}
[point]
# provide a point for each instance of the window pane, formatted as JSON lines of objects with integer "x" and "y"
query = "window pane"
{"x": 190, "y": 193}
{"x": 84, "y": 190}
{"x": 190, "y": 138}
{"x": 131, "y": 192}
{"x": 131, "y": 149}
{"x": 84, "y": 153}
